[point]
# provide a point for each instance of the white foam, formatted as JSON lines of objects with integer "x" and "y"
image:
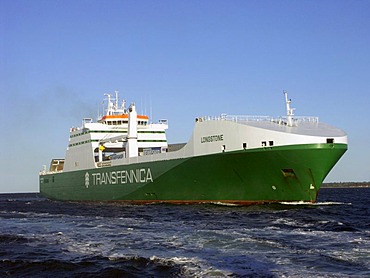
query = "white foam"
{"x": 225, "y": 204}
{"x": 305, "y": 203}
{"x": 193, "y": 266}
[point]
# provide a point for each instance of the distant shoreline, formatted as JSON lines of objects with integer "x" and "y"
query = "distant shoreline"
{"x": 345, "y": 184}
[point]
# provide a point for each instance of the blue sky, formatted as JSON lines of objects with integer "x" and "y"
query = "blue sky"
{"x": 180, "y": 60}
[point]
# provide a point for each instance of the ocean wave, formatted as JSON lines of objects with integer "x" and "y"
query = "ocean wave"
{"x": 9, "y": 238}
{"x": 328, "y": 238}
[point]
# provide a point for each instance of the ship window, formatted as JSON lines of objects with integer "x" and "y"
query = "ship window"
{"x": 330, "y": 140}
{"x": 271, "y": 143}
{"x": 264, "y": 144}
{"x": 223, "y": 148}
{"x": 244, "y": 145}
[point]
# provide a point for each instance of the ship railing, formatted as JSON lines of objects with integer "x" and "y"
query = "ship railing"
{"x": 296, "y": 119}
{"x": 42, "y": 172}
{"x": 246, "y": 118}
{"x": 163, "y": 121}
{"x": 251, "y": 118}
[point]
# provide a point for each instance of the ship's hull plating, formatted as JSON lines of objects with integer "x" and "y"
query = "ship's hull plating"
{"x": 271, "y": 174}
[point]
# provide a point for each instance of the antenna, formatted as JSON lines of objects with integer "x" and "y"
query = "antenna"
{"x": 289, "y": 110}
{"x": 117, "y": 107}
{"x": 107, "y": 110}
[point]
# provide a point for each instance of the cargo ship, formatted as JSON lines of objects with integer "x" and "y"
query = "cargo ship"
{"x": 238, "y": 159}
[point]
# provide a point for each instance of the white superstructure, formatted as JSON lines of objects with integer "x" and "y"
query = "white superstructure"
{"x": 119, "y": 133}
{"x": 122, "y": 137}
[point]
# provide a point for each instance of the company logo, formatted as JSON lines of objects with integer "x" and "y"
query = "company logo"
{"x": 143, "y": 175}
{"x": 87, "y": 179}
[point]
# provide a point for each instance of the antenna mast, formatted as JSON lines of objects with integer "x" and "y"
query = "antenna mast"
{"x": 116, "y": 92}
{"x": 289, "y": 110}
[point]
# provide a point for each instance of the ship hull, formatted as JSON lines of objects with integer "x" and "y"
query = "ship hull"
{"x": 270, "y": 174}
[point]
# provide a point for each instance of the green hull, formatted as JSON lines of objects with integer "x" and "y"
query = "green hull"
{"x": 271, "y": 174}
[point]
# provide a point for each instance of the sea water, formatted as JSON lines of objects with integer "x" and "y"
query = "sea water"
{"x": 43, "y": 238}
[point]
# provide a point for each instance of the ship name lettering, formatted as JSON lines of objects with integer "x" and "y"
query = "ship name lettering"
{"x": 143, "y": 175}
{"x": 212, "y": 138}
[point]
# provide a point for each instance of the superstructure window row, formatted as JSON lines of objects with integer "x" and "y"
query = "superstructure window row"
{"x": 143, "y": 123}
{"x": 117, "y": 131}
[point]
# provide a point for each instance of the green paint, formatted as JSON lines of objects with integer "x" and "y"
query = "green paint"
{"x": 270, "y": 174}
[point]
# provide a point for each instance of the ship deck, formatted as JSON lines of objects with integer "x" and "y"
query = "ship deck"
{"x": 303, "y": 125}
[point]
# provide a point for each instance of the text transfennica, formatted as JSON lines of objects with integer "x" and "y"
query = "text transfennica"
{"x": 122, "y": 177}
